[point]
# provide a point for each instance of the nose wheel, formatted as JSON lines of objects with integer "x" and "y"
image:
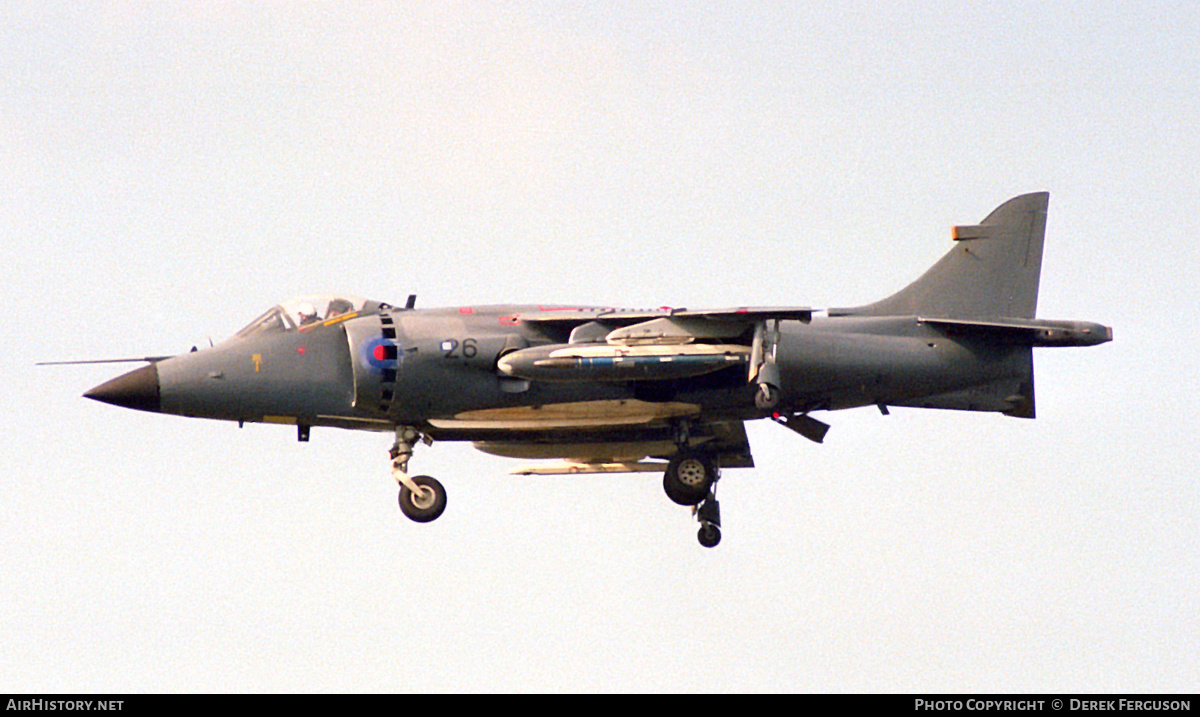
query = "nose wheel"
{"x": 422, "y": 498}
{"x": 424, "y": 504}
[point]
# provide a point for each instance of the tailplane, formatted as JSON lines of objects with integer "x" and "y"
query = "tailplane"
{"x": 992, "y": 271}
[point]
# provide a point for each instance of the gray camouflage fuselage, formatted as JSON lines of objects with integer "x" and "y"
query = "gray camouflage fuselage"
{"x": 605, "y": 388}
{"x": 310, "y": 378}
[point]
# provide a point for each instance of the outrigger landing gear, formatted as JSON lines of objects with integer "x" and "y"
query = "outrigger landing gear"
{"x": 422, "y": 498}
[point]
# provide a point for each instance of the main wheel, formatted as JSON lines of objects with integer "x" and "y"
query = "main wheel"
{"x": 709, "y": 535}
{"x": 426, "y": 505}
{"x": 688, "y": 478}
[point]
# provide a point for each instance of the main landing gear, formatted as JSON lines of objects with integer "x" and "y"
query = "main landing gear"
{"x": 709, "y": 515}
{"x": 691, "y": 479}
{"x": 422, "y": 498}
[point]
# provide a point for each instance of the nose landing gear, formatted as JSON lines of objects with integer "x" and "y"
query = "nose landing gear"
{"x": 425, "y": 505}
{"x": 422, "y": 498}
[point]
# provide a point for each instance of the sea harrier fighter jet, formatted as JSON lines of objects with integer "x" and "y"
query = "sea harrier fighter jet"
{"x": 607, "y": 390}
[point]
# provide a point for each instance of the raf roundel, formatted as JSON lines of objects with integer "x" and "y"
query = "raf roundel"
{"x": 381, "y": 354}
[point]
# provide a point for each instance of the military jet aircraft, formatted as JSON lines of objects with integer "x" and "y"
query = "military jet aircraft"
{"x": 607, "y": 390}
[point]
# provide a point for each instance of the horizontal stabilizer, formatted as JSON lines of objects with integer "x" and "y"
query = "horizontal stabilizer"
{"x": 1029, "y": 332}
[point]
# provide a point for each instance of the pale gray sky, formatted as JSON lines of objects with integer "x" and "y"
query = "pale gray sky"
{"x": 169, "y": 170}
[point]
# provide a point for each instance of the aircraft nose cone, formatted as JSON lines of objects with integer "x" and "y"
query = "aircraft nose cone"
{"x": 136, "y": 389}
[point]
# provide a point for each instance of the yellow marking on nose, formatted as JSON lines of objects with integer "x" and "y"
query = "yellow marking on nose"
{"x": 257, "y": 359}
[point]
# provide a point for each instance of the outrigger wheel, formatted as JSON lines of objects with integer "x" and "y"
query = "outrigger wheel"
{"x": 688, "y": 477}
{"x": 426, "y": 505}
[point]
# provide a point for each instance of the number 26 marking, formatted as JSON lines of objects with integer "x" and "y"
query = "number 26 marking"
{"x": 469, "y": 349}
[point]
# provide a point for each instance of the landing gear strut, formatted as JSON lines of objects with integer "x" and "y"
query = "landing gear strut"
{"x": 422, "y": 498}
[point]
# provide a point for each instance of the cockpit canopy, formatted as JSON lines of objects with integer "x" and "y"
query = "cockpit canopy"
{"x": 304, "y": 311}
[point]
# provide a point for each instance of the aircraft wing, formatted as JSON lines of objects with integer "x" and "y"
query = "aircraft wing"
{"x": 625, "y": 317}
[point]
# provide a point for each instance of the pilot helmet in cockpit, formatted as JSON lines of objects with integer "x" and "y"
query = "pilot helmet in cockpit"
{"x": 307, "y": 313}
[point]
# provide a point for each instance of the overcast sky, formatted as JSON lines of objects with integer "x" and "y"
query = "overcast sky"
{"x": 170, "y": 170}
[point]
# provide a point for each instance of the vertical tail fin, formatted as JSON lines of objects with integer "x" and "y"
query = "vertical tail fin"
{"x": 992, "y": 271}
